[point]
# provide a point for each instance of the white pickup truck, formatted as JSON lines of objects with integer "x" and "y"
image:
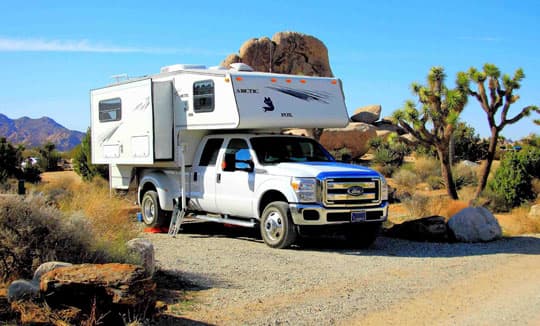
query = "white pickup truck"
{"x": 209, "y": 142}
{"x": 288, "y": 185}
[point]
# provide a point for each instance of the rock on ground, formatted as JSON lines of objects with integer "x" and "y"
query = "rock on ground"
{"x": 144, "y": 250}
{"x": 431, "y": 228}
{"x": 475, "y": 224}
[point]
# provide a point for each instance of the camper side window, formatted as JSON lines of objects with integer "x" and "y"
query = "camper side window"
{"x": 203, "y": 96}
{"x": 210, "y": 152}
{"x": 110, "y": 110}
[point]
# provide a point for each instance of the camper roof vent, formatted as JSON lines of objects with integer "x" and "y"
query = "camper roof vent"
{"x": 240, "y": 67}
{"x": 178, "y": 67}
{"x": 217, "y": 68}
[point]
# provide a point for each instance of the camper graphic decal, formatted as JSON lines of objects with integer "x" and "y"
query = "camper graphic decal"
{"x": 305, "y": 95}
{"x": 269, "y": 106}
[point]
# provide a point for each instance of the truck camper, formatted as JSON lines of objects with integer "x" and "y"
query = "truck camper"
{"x": 208, "y": 143}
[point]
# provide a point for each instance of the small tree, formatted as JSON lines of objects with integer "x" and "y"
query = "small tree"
{"x": 82, "y": 162}
{"x": 10, "y": 160}
{"x": 49, "y": 157}
{"x": 434, "y": 122}
{"x": 499, "y": 95}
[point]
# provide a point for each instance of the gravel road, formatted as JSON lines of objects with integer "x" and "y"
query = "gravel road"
{"x": 234, "y": 278}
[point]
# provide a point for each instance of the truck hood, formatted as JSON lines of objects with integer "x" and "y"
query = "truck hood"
{"x": 320, "y": 170}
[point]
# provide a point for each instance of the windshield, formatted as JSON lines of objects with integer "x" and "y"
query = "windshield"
{"x": 273, "y": 150}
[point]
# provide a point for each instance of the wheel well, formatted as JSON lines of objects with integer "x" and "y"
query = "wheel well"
{"x": 268, "y": 197}
{"x": 147, "y": 186}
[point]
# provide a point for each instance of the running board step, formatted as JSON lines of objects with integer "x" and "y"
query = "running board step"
{"x": 243, "y": 223}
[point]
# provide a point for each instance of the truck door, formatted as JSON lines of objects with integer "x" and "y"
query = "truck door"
{"x": 234, "y": 189}
{"x": 204, "y": 176}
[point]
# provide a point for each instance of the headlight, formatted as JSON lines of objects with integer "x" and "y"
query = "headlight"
{"x": 305, "y": 189}
{"x": 384, "y": 189}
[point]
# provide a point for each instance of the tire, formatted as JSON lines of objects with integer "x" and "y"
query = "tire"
{"x": 152, "y": 213}
{"x": 362, "y": 235}
{"x": 277, "y": 229}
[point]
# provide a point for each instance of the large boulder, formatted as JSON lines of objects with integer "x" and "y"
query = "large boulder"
{"x": 367, "y": 114}
{"x": 355, "y": 137}
{"x": 287, "y": 53}
{"x": 475, "y": 224}
{"x": 433, "y": 229}
{"x": 120, "y": 284}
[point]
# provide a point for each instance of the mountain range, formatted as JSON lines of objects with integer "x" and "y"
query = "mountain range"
{"x": 36, "y": 132}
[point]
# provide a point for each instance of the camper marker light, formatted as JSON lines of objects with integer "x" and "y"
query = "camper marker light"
{"x": 273, "y": 80}
{"x": 303, "y": 81}
{"x": 334, "y": 82}
{"x": 239, "y": 78}
{"x": 288, "y": 81}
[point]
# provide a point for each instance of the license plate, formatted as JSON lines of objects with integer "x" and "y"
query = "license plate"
{"x": 358, "y": 216}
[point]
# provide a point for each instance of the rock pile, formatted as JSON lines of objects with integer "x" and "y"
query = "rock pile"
{"x": 471, "y": 224}
{"x": 76, "y": 292}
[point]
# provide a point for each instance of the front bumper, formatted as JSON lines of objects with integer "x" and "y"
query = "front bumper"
{"x": 315, "y": 214}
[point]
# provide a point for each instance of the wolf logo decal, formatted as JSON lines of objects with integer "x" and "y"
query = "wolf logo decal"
{"x": 269, "y": 106}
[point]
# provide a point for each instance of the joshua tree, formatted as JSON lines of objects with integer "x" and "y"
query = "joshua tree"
{"x": 434, "y": 122}
{"x": 498, "y": 94}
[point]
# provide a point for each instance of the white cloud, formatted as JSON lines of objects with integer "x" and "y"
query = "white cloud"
{"x": 43, "y": 45}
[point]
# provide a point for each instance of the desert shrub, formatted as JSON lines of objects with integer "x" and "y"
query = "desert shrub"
{"x": 435, "y": 182}
{"x": 31, "y": 174}
{"x": 425, "y": 167}
{"x": 108, "y": 215}
{"x": 388, "y": 155}
{"x": 512, "y": 182}
{"x": 31, "y": 232}
{"x": 464, "y": 175}
{"x": 419, "y": 205}
{"x": 405, "y": 178}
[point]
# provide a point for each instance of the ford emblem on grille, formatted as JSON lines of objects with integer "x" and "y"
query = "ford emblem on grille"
{"x": 355, "y": 191}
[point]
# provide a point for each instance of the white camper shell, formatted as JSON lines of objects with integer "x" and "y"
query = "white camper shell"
{"x": 139, "y": 122}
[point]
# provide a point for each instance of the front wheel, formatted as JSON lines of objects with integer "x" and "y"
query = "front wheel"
{"x": 152, "y": 213}
{"x": 277, "y": 229}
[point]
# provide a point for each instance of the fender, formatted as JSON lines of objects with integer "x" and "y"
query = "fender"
{"x": 278, "y": 184}
{"x": 166, "y": 187}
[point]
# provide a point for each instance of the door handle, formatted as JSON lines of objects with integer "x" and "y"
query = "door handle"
{"x": 218, "y": 178}
{"x": 195, "y": 176}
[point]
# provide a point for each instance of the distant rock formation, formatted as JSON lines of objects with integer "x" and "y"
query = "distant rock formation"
{"x": 36, "y": 132}
{"x": 287, "y": 53}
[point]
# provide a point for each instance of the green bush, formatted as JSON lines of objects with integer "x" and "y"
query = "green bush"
{"x": 464, "y": 175}
{"x": 512, "y": 181}
{"x": 31, "y": 233}
{"x": 82, "y": 163}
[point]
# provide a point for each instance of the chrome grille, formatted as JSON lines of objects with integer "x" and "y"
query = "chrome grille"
{"x": 351, "y": 192}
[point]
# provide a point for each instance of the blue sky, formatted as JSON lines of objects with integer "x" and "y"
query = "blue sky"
{"x": 53, "y": 52}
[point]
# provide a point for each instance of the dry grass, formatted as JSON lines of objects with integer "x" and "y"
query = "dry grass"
{"x": 518, "y": 222}
{"x": 111, "y": 217}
